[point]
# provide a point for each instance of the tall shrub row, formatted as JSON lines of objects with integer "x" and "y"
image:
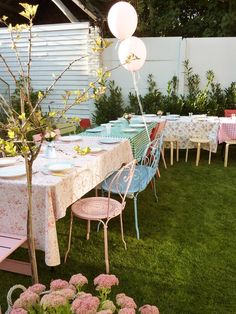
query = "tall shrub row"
{"x": 212, "y": 99}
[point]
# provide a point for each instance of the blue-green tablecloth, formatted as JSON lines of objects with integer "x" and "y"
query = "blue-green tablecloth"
{"x": 138, "y": 140}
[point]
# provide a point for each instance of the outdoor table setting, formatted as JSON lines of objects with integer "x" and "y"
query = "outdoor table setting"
{"x": 134, "y": 131}
{"x": 183, "y": 127}
{"x": 57, "y": 183}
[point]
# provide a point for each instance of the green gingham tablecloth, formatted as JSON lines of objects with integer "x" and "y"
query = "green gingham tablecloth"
{"x": 138, "y": 140}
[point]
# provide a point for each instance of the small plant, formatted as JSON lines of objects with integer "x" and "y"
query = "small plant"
{"x": 68, "y": 298}
{"x": 109, "y": 106}
{"x": 172, "y": 102}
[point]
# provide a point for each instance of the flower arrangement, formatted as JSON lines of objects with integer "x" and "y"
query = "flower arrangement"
{"x": 160, "y": 113}
{"x": 50, "y": 136}
{"x": 67, "y": 297}
{"x": 82, "y": 151}
{"x": 127, "y": 116}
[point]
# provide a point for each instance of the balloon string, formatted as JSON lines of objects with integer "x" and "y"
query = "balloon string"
{"x": 139, "y": 103}
{"x": 117, "y": 44}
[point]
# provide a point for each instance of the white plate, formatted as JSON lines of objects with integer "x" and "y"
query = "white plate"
{"x": 11, "y": 172}
{"x": 70, "y": 138}
{"x": 59, "y": 166}
{"x": 138, "y": 125}
{"x": 171, "y": 118}
{"x": 93, "y": 130}
{"x": 129, "y": 130}
{"x": 150, "y": 115}
{"x": 8, "y": 161}
{"x": 110, "y": 140}
{"x": 96, "y": 149}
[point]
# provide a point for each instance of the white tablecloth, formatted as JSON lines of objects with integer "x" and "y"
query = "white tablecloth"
{"x": 53, "y": 194}
{"x": 183, "y": 128}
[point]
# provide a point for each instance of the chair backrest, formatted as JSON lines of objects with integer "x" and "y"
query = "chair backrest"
{"x": 229, "y": 112}
{"x": 120, "y": 182}
{"x": 157, "y": 130}
{"x": 66, "y": 128}
{"x": 85, "y": 124}
{"x": 152, "y": 153}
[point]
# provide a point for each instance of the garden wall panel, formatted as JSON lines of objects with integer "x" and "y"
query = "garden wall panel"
{"x": 54, "y": 47}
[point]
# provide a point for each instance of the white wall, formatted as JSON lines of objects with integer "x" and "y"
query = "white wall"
{"x": 165, "y": 58}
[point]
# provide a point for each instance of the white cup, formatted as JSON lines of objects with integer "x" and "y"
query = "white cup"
{"x": 108, "y": 128}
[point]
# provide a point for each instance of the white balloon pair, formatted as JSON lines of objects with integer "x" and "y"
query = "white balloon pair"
{"x": 122, "y": 21}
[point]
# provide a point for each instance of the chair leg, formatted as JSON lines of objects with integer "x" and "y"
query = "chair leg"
{"x": 136, "y": 216}
{"x": 122, "y": 231}
{"x": 198, "y": 153}
{"x": 177, "y": 151}
{"x": 106, "y": 248}
{"x": 171, "y": 153}
{"x": 155, "y": 189}
{"x": 186, "y": 156}
{"x": 70, "y": 233}
{"x": 163, "y": 157}
{"x": 158, "y": 173}
{"x": 88, "y": 229}
{"x": 226, "y": 155}
{"x": 98, "y": 226}
{"x": 209, "y": 159}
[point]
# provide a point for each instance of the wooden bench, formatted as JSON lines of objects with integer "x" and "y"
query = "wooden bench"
{"x": 66, "y": 128}
{"x": 8, "y": 244}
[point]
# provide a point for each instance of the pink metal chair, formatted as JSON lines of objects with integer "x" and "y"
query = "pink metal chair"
{"x": 85, "y": 124}
{"x": 103, "y": 209}
{"x": 229, "y": 112}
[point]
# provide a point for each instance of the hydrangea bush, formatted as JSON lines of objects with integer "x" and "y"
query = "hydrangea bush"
{"x": 67, "y": 297}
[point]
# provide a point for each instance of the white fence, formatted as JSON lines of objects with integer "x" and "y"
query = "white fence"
{"x": 165, "y": 58}
{"x": 54, "y": 47}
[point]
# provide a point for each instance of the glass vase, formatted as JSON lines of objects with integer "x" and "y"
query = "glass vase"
{"x": 50, "y": 151}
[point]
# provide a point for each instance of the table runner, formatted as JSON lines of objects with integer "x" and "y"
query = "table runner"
{"x": 53, "y": 194}
{"x": 138, "y": 140}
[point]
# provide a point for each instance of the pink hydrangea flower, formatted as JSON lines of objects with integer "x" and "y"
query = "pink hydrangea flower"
{"x": 108, "y": 305}
{"x": 105, "y": 312}
{"x": 126, "y": 310}
{"x": 53, "y": 300}
{"x": 149, "y": 309}
{"x": 85, "y": 305}
{"x": 125, "y": 302}
{"x": 68, "y": 293}
{"x": 78, "y": 280}
{"x": 37, "y": 288}
{"x": 18, "y": 311}
{"x": 105, "y": 281}
{"x": 58, "y": 284}
{"x": 26, "y": 300}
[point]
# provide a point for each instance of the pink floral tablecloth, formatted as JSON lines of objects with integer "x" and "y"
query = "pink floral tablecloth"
{"x": 52, "y": 194}
{"x": 227, "y": 130}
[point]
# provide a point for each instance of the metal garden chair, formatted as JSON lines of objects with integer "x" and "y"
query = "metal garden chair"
{"x": 144, "y": 173}
{"x": 103, "y": 209}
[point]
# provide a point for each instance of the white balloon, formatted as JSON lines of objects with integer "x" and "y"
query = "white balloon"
{"x": 132, "y": 46}
{"x": 122, "y": 20}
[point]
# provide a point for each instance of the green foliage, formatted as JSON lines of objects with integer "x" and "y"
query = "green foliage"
{"x": 212, "y": 99}
{"x": 186, "y": 18}
{"x": 171, "y": 101}
{"x": 109, "y": 106}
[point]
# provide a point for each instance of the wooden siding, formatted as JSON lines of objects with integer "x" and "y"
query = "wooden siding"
{"x": 54, "y": 47}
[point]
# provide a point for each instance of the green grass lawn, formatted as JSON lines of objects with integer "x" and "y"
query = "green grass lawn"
{"x": 185, "y": 261}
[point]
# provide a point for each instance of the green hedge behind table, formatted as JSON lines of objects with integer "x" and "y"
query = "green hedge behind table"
{"x": 211, "y": 100}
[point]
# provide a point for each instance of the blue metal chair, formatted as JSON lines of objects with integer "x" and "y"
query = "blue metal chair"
{"x": 144, "y": 173}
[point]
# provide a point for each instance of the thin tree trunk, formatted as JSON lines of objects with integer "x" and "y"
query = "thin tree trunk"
{"x": 30, "y": 232}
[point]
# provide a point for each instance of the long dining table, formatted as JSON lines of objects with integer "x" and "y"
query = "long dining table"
{"x": 53, "y": 191}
